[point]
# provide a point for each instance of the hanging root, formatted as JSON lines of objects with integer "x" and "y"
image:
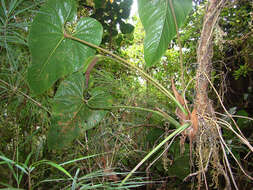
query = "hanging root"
{"x": 211, "y": 153}
{"x": 207, "y": 153}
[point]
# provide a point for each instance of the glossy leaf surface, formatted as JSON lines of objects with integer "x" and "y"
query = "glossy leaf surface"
{"x": 71, "y": 113}
{"x": 157, "y": 19}
{"x": 54, "y": 56}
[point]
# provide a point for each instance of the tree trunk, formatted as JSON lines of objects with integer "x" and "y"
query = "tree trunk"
{"x": 207, "y": 139}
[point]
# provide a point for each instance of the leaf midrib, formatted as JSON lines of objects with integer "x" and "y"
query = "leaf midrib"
{"x": 51, "y": 54}
{"x": 58, "y": 44}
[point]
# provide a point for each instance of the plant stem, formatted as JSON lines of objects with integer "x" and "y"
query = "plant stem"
{"x": 14, "y": 89}
{"x": 29, "y": 181}
{"x": 133, "y": 67}
{"x": 176, "y": 132}
{"x": 166, "y": 116}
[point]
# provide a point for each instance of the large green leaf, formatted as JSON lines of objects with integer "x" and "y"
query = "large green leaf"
{"x": 157, "y": 19}
{"x": 53, "y": 55}
{"x": 71, "y": 113}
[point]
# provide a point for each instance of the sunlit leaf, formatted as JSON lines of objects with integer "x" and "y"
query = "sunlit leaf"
{"x": 53, "y": 55}
{"x": 157, "y": 19}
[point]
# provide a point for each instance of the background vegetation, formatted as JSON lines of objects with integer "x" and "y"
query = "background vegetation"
{"x": 102, "y": 156}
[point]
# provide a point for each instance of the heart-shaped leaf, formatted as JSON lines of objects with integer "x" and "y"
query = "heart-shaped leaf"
{"x": 70, "y": 110}
{"x": 157, "y": 19}
{"x": 53, "y": 55}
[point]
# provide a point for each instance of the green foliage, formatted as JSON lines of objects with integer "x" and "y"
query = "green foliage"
{"x": 25, "y": 120}
{"x": 243, "y": 123}
{"x": 158, "y": 21}
{"x": 153, "y": 135}
{"x": 57, "y": 56}
{"x": 10, "y": 24}
{"x": 242, "y": 71}
{"x": 126, "y": 28}
{"x": 71, "y": 110}
{"x": 180, "y": 166}
{"x": 70, "y": 107}
{"x": 99, "y": 3}
{"x": 134, "y": 51}
{"x": 112, "y": 14}
{"x": 233, "y": 54}
{"x": 237, "y": 19}
{"x": 76, "y": 182}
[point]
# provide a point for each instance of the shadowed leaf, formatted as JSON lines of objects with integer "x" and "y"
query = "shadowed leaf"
{"x": 71, "y": 115}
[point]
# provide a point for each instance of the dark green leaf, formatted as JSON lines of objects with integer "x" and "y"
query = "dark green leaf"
{"x": 99, "y": 3}
{"x": 70, "y": 112}
{"x": 159, "y": 25}
{"x": 54, "y": 56}
{"x": 126, "y": 28}
{"x": 243, "y": 123}
{"x": 114, "y": 32}
{"x": 180, "y": 166}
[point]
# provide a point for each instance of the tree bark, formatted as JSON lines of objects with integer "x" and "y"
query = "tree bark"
{"x": 207, "y": 139}
{"x": 205, "y": 54}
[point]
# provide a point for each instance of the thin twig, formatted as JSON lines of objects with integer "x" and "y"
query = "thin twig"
{"x": 172, "y": 140}
{"x": 224, "y": 107}
{"x": 222, "y": 140}
{"x": 239, "y": 116}
{"x": 15, "y": 89}
{"x": 225, "y": 123}
{"x": 225, "y": 156}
